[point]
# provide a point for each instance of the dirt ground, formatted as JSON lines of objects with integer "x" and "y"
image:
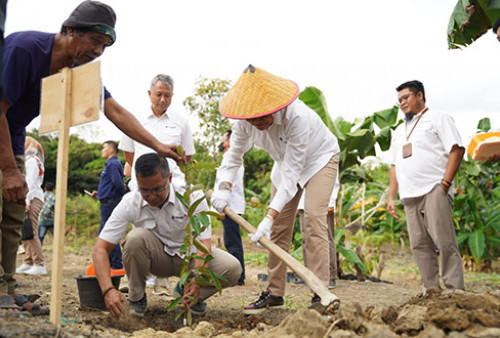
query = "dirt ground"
{"x": 367, "y": 309}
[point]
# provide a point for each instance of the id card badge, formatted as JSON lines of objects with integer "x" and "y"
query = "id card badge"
{"x": 407, "y": 150}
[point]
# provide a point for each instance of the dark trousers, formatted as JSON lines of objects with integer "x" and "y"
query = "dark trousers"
{"x": 42, "y": 231}
{"x": 232, "y": 242}
{"x": 107, "y": 207}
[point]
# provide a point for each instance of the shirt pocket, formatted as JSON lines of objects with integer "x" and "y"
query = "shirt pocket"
{"x": 172, "y": 134}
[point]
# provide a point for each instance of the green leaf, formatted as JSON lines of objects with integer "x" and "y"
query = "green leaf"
{"x": 462, "y": 237}
{"x": 203, "y": 165}
{"x": 484, "y": 125}
{"x": 314, "y": 99}
{"x": 352, "y": 256}
{"x": 204, "y": 219}
{"x": 200, "y": 247}
{"x": 495, "y": 240}
{"x": 193, "y": 207}
{"x": 384, "y": 138}
{"x": 386, "y": 118}
{"x": 476, "y": 243}
{"x": 174, "y": 303}
{"x": 211, "y": 213}
{"x": 182, "y": 199}
{"x": 179, "y": 314}
{"x": 195, "y": 224}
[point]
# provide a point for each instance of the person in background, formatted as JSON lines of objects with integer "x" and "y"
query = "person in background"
{"x": 330, "y": 221}
{"x": 28, "y": 57}
{"x": 232, "y": 236}
{"x": 306, "y": 155}
{"x": 426, "y": 152}
{"x": 33, "y": 261}
{"x": 110, "y": 193}
{"x": 46, "y": 218}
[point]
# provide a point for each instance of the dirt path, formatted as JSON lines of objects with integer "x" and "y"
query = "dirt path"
{"x": 365, "y": 306}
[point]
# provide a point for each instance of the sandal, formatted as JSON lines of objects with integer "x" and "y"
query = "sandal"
{"x": 8, "y": 303}
{"x": 36, "y": 310}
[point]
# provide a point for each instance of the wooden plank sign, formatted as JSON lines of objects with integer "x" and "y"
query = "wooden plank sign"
{"x": 69, "y": 98}
{"x": 85, "y": 97}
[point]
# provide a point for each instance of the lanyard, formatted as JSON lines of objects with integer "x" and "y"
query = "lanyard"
{"x": 411, "y": 131}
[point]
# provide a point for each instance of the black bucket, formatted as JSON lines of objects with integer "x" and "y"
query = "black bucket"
{"x": 90, "y": 291}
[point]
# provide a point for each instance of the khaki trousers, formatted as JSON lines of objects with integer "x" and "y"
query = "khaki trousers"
{"x": 432, "y": 233}
{"x": 144, "y": 254}
{"x": 11, "y": 222}
{"x": 32, "y": 247}
{"x": 330, "y": 222}
{"x": 314, "y": 230}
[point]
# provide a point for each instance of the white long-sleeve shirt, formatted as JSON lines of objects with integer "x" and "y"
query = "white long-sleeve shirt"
{"x": 298, "y": 141}
{"x": 34, "y": 178}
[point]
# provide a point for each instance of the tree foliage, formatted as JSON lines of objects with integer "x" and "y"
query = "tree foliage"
{"x": 205, "y": 104}
{"x": 470, "y": 19}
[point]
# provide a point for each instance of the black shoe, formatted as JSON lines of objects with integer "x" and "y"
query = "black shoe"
{"x": 265, "y": 301}
{"x": 140, "y": 307}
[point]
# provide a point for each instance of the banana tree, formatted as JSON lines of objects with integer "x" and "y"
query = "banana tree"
{"x": 357, "y": 139}
{"x": 471, "y": 19}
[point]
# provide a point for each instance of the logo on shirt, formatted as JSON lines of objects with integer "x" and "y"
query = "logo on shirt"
{"x": 179, "y": 217}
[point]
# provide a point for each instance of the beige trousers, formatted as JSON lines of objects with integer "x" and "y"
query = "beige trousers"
{"x": 32, "y": 247}
{"x": 143, "y": 254}
{"x": 432, "y": 233}
{"x": 314, "y": 230}
{"x": 11, "y": 222}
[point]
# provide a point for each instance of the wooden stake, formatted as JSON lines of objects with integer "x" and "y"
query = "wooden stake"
{"x": 61, "y": 191}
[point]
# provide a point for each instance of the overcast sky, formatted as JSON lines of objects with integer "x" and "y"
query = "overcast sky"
{"x": 356, "y": 52}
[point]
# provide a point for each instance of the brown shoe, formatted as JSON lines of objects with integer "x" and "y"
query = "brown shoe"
{"x": 266, "y": 301}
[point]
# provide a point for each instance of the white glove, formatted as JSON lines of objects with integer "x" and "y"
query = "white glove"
{"x": 264, "y": 229}
{"x": 220, "y": 199}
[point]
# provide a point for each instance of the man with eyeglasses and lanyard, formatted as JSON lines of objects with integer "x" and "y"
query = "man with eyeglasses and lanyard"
{"x": 153, "y": 246}
{"x": 426, "y": 152}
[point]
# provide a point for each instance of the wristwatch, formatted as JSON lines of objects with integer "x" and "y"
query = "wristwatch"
{"x": 224, "y": 186}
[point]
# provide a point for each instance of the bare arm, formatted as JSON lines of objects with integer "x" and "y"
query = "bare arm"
{"x": 14, "y": 186}
{"x": 127, "y": 123}
{"x": 129, "y": 157}
{"x": 393, "y": 190}
{"x": 454, "y": 160}
{"x": 100, "y": 257}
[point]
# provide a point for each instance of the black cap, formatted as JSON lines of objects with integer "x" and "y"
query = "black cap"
{"x": 94, "y": 15}
{"x": 495, "y": 26}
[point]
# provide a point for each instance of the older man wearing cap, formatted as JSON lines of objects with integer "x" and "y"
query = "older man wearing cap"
{"x": 28, "y": 57}
{"x": 305, "y": 153}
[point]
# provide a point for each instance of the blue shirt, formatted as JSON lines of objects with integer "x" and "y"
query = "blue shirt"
{"x": 26, "y": 61}
{"x": 111, "y": 182}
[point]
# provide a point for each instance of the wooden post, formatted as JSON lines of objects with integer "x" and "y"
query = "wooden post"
{"x": 61, "y": 191}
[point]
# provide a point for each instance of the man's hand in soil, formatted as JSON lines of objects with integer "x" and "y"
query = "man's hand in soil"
{"x": 193, "y": 290}
{"x": 114, "y": 302}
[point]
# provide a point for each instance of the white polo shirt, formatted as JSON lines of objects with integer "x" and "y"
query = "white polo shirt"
{"x": 170, "y": 128}
{"x": 298, "y": 141}
{"x": 237, "y": 201}
{"x": 432, "y": 140}
{"x": 168, "y": 223}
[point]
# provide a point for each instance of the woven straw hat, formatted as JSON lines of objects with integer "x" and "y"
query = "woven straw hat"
{"x": 257, "y": 93}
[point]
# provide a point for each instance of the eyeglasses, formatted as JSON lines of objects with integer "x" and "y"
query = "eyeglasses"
{"x": 155, "y": 191}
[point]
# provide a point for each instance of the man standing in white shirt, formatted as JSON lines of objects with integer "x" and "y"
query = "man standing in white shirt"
{"x": 305, "y": 154}
{"x": 426, "y": 153}
{"x": 165, "y": 125}
{"x": 153, "y": 246}
{"x": 232, "y": 236}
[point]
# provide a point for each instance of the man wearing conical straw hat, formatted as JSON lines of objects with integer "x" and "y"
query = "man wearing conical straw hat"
{"x": 305, "y": 154}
